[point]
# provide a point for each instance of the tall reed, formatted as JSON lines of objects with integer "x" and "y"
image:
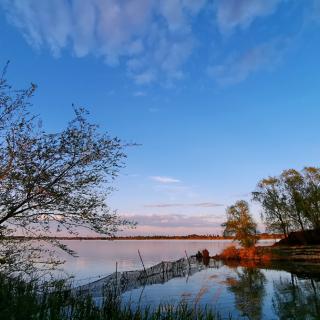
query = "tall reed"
{"x": 20, "y": 300}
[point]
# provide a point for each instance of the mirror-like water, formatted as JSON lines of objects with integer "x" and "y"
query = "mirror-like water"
{"x": 287, "y": 291}
{"x": 242, "y": 292}
{"x": 98, "y": 258}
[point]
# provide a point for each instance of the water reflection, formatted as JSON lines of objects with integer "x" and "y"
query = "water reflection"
{"x": 248, "y": 288}
{"x": 247, "y": 291}
{"x": 297, "y": 299}
{"x": 161, "y": 273}
{"x": 98, "y": 258}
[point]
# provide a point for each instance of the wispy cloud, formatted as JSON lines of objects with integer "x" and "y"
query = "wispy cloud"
{"x": 315, "y": 12}
{"x": 241, "y": 13}
{"x": 178, "y": 220}
{"x": 185, "y": 205}
{"x": 154, "y": 38}
{"x": 139, "y": 94}
{"x": 164, "y": 180}
{"x": 238, "y": 68}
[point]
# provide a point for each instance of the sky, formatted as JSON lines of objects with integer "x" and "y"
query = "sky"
{"x": 218, "y": 94}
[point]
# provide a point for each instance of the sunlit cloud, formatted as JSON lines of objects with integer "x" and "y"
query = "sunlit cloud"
{"x": 164, "y": 180}
{"x": 179, "y": 224}
{"x": 184, "y": 205}
{"x": 176, "y": 224}
{"x": 178, "y": 220}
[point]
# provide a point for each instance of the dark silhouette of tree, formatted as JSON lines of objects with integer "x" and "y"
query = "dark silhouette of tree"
{"x": 240, "y": 224}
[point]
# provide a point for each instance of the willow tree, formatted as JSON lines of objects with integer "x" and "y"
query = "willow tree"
{"x": 275, "y": 210}
{"x": 50, "y": 182}
{"x": 290, "y": 201}
{"x": 240, "y": 224}
{"x": 294, "y": 193}
{"x": 312, "y": 191}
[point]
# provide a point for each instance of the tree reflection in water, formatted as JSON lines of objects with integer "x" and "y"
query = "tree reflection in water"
{"x": 249, "y": 291}
{"x": 297, "y": 299}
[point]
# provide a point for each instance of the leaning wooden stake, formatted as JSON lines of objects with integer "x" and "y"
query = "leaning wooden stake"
{"x": 144, "y": 268}
{"x": 187, "y": 258}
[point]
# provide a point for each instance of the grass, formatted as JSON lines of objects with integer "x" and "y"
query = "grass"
{"x": 20, "y": 300}
{"x": 254, "y": 254}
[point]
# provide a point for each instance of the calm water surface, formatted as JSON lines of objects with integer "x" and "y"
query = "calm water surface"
{"x": 244, "y": 292}
{"x": 98, "y": 257}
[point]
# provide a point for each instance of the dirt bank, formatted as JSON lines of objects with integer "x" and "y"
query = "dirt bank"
{"x": 272, "y": 253}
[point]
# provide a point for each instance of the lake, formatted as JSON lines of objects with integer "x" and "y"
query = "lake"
{"x": 97, "y": 258}
{"x": 290, "y": 291}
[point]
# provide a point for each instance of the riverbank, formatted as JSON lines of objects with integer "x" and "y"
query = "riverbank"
{"x": 302, "y": 253}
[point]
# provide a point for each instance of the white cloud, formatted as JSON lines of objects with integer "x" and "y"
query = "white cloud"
{"x": 139, "y": 94}
{"x": 153, "y": 37}
{"x": 164, "y": 180}
{"x": 178, "y": 220}
{"x": 238, "y": 68}
{"x": 241, "y": 13}
{"x": 184, "y": 205}
{"x": 145, "y": 77}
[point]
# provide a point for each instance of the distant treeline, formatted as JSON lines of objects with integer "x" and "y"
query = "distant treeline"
{"x": 152, "y": 237}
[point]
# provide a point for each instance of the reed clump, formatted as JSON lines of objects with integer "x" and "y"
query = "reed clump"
{"x": 56, "y": 301}
{"x": 244, "y": 254}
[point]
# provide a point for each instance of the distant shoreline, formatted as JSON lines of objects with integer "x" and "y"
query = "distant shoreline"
{"x": 262, "y": 236}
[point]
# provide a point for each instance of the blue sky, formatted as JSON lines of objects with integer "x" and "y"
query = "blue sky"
{"x": 218, "y": 93}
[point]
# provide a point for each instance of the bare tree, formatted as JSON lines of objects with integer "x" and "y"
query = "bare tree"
{"x": 54, "y": 181}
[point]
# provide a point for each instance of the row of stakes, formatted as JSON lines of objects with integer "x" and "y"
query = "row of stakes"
{"x": 144, "y": 268}
{"x": 204, "y": 254}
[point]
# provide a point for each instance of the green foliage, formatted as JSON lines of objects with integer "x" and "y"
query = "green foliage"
{"x": 291, "y": 201}
{"x": 240, "y": 224}
{"x": 276, "y": 215}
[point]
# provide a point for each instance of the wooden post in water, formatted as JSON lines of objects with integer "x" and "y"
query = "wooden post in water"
{"x": 162, "y": 263}
{"x": 144, "y": 268}
{"x": 187, "y": 258}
